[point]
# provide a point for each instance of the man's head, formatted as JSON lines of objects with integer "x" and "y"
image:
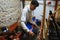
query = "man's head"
{"x": 34, "y": 4}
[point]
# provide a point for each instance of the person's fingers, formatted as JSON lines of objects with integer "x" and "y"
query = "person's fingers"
{"x": 31, "y": 33}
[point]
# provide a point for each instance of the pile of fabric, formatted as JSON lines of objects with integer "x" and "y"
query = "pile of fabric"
{"x": 9, "y": 12}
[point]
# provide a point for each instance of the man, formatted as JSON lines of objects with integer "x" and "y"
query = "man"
{"x": 27, "y": 16}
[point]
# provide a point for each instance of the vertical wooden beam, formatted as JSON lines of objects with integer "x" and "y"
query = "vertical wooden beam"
{"x": 43, "y": 20}
{"x": 23, "y": 2}
{"x": 56, "y": 3}
{"x": 44, "y": 12}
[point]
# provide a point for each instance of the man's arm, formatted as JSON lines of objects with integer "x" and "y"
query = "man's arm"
{"x": 24, "y": 27}
{"x": 33, "y": 23}
{"x": 23, "y": 20}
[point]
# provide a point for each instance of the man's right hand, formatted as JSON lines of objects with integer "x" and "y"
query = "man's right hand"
{"x": 31, "y": 33}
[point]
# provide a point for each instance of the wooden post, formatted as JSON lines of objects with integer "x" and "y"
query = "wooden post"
{"x": 43, "y": 21}
{"x": 23, "y": 2}
{"x": 56, "y": 3}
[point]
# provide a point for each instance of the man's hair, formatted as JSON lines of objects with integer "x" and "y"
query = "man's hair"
{"x": 35, "y": 2}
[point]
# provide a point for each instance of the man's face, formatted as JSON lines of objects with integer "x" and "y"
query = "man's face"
{"x": 32, "y": 7}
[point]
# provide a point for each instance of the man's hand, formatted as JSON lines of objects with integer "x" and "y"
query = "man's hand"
{"x": 33, "y": 23}
{"x": 31, "y": 33}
